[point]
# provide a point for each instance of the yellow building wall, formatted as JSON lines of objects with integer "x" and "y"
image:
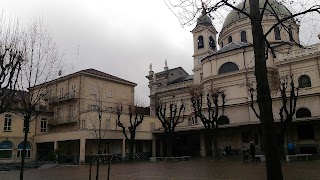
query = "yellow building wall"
{"x": 16, "y": 135}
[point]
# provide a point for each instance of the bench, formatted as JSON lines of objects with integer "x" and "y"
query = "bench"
{"x": 298, "y": 156}
{"x": 260, "y": 158}
{"x": 186, "y": 158}
{"x": 182, "y": 158}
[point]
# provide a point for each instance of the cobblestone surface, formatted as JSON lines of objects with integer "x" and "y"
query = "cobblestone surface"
{"x": 195, "y": 169}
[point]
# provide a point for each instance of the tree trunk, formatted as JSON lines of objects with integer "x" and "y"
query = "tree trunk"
{"x": 23, "y": 153}
{"x": 98, "y": 160}
{"x": 131, "y": 149}
{"x": 273, "y": 164}
{"x": 215, "y": 146}
{"x": 90, "y": 167}
{"x": 169, "y": 143}
{"x": 109, "y": 165}
{"x": 281, "y": 142}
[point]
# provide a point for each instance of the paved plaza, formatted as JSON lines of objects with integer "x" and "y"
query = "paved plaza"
{"x": 202, "y": 169}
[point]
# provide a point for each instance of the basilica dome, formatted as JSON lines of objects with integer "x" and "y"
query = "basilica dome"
{"x": 234, "y": 16}
{"x": 237, "y": 26}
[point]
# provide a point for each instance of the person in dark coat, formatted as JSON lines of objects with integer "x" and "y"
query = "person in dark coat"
{"x": 245, "y": 154}
{"x": 252, "y": 151}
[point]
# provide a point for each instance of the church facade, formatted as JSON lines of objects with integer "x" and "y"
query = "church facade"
{"x": 231, "y": 68}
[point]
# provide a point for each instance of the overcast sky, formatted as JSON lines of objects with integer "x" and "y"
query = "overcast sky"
{"x": 120, "y": 37}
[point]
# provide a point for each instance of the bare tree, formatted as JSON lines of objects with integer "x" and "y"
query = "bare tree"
{"x": 261, "y": 48}
{"x": 99, "y": 131}
{"x": 136, "y": 116}
{"x": 10, "y": 61}
{"x": 41, "y": 63}
{"x": 286, "y": 113}
{"x": 210, "y": 119}
{"x": 170, "y": 114}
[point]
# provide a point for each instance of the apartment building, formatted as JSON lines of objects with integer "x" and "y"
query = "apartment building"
{"x": 75, "y": 102}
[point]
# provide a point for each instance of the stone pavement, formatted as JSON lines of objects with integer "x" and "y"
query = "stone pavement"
{"x": 195, "y": 169}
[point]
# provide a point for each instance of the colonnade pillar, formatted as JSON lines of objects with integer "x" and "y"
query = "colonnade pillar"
{"x": 161, "y": 147}
{"x": 154, "y": 147}
{"x": 202, "y": 145}
{"x": 82, "y": 156}
{"x": 123, "y": 148}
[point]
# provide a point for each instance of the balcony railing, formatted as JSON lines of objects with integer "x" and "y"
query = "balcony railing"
{"x": 63, "y": 120}
{"x": 69, "y": 96}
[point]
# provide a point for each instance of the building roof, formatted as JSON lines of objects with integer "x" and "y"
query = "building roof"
{"x": 91, "y": 72}
{"x": 204, "y": 19}
{"x": 105, "y": 75}
{"x": 169, "y": 70}
{"x": 234, "y": 15}
{"x": 17, "y": 95}
{"x": 187, "y": 78}
{"x": 231, "y": 46}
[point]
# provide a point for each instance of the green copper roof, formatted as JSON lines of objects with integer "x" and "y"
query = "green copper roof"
{"x": 234, "y": 16}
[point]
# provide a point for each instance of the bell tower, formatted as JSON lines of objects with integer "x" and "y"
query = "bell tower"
{"x": 204, "y": 43}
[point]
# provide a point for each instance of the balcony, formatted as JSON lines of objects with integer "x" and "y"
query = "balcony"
{"x": 72, "y": 95}
{"x": 63, "y": 120}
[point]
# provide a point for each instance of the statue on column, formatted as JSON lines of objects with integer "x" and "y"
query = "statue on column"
{"x": 154, "y": 77}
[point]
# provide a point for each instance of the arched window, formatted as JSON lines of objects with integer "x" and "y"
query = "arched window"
{"x": 28, "y": 150}
{"x": 290, "y": 34}
{"x": 229, "y": 39}
{"x": 221, "y": 44}
{"x": 6, "y": 148}
{"x": 212, "y": 43}
{"x": 303, "y": 112}
{"x": 243, "y": 35}
{"x": 228, "y": 67}
{"x": 304, "y": 81}
{"x": 277, "y": 35}
{"x": 200, "y": 42}
{"x": 223, "y": 120}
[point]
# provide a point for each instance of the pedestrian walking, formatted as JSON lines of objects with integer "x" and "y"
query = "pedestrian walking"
{"x": 252, "y": 151}
{"x": 290, "y": 148}
{"x": 245, "y": 154}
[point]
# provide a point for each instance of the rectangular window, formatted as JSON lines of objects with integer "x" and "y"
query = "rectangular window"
{"x": 73, "y": 87}
{"x": 277, "y": 34}
{"x": 59, "y": 115}
{"x": 109, "y": 109}
{"x": 94, "y": 89}
{"x": 43, "y": 125}
{"x": 61, "y": 94}
{"x": 83, "y": 124}
{"x": 7, "y": 122}
{"x": 5, "y": 153}
{"x": 72, "y": 113}
{"x": 24, "y": 126}
{"x": 110, "y": 92}
{"x": 94, "y": 107}
{"x": 19, "y": 153}
{"x": 124, "y": 94}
